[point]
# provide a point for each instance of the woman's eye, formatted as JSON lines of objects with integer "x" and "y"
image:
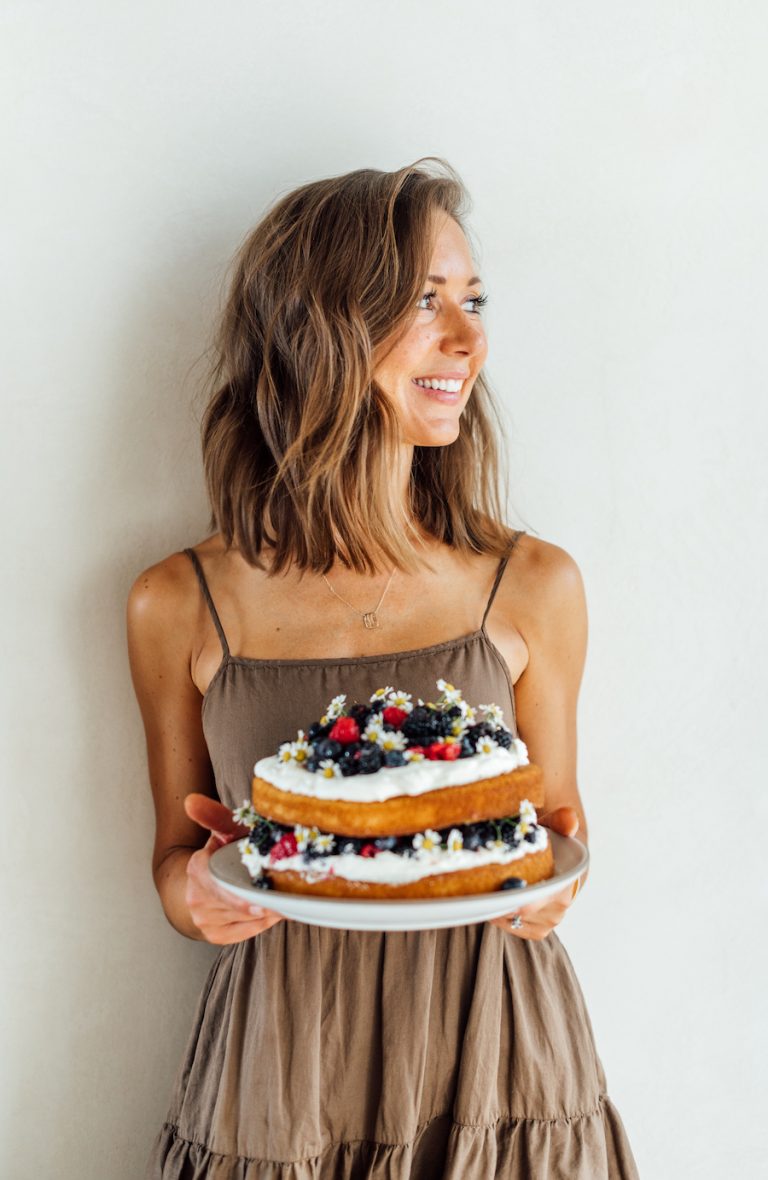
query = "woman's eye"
{"x": 478, "y": 300}
{"x": 429, "y": 295}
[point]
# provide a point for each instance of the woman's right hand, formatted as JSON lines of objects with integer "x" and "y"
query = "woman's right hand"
{"x": 220, "y": 917}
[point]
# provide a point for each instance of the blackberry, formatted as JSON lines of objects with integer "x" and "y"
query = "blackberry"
{"x": 531, "y": 836}
{"x": 513, "y": 883}
{"x": 473, "y": 840}
{"x": 454, "y": 711}
{"x": 371, "y": 758}
{"x": 262, "y": 883}
{"x": 503, "y": 738}
{"x": 361, "y": 713}
{"x": 316, "y": 730}
{"x": 394, "y": 758}
{"x": 348, "y": 767}
{"x": 377, "y": 706}
{"x": 467, "y": 749}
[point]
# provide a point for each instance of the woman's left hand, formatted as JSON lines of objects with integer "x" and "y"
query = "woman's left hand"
{"x": 538, "y": 920}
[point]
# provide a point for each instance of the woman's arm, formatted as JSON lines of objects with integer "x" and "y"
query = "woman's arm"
{"x": 162, "y": 618}
{"x": 542, "y": 598}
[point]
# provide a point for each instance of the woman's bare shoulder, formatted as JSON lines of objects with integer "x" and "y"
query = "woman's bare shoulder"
{"x": 168, "y": 592}
{"x": 541, "y": 578}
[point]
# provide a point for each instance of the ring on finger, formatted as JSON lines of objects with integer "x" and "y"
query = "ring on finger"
{"x": 516, "y": 922}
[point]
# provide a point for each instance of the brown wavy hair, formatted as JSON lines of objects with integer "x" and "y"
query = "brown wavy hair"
{"x": 299, "y": 442}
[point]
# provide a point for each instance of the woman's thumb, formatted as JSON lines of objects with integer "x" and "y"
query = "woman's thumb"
{"x": 214, "y": 816}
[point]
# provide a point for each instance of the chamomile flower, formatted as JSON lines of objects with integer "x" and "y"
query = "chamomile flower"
{"x": 336, "y": 707}
{"x": 246, "y": 815}
{"x": 413, "y": 756}
{"x": 285, "y": 753}
{"x": 329, "y": 769}
{"x": 426, "y": 842}
{"x": 527, "y": 817}
{"x": 450, "y": 695}
{"x": 381, "y": 694}
{"x": 304, "y": 836}
{"x": 486, "y": 745}
{"x": 459, "y": 727}
{"x": 400, "y": 700}
{"x": 391, "y": 739}
{"x": 455, "y": 840}
{"x": 374, "y": 729}
{"x": 493, "y": 714}
{"x": 323, "y": 842}
{"x": 495, "y": 845}
{"x": 300, "y": 748}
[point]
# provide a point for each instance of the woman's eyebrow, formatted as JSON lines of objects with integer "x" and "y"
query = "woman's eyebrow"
{"x": 441, "y": 279}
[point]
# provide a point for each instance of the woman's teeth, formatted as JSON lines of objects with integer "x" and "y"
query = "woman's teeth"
{"x": 445, "y": 386}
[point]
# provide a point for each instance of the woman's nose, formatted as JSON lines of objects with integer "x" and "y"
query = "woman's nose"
{"x": 462, "y": 333}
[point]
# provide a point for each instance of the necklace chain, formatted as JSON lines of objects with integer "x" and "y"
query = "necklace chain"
{"x": 370, "y": 617}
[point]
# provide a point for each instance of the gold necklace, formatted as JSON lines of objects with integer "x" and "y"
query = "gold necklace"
{"x": 370, "y": 617}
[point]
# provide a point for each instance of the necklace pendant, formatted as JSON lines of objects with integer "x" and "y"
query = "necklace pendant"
{"x": 371, "y": 620}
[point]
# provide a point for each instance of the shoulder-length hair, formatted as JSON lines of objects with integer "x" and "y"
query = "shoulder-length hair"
{"x": 299, "y": 443}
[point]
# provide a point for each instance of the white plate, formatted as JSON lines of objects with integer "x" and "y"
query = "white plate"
{"x": 571, "y": 859}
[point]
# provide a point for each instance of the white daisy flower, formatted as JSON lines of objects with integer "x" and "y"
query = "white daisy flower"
{"x": 495, "y": 845}
{"x": 455, "y": 840}
{"x": 381, "y": 694}
{"x": 493, "y": 714}
{"x": 329, "y": 769}
{"x": 486, "y": 745}
{"x": 374, "y": 730}
{"x": 246, "y": 815}
{"x": 527, "y": 817}
{"x": 426, "y": 842}
{"x": 400, "y": 700}
{"x": 336, "y": 707}
{"x": 413, "y": 756}
{"x": 468, "y": 714}
{"x": 323, "y": 842}
{"x": 304, "y": 836}
{"x": 300, "y": 748}
{"x": 391, "y": 739}
{"x": 285, "y": 753}
{"x": 450, "y": 695}
{"x": 459, "y": 727}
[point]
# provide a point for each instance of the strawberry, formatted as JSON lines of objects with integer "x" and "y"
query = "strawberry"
{"x": 435, "y": 751}
{"x": 394, "y": 716}
{"x": 451, "y": 751}
{"x": 345, "y": 730}
{"x": 369, "y": 850}
{"x": 286, "y": 846}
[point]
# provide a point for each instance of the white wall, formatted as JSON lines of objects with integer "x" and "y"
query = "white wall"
{"x": 616, "y": 156}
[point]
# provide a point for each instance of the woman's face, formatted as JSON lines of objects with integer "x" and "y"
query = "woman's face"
{"x": 446, "y": 342}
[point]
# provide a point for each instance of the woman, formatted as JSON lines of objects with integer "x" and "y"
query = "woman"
{"x": 343, "y": 484}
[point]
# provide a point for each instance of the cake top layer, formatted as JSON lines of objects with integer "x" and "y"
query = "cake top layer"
{"x": 391, "y": 730}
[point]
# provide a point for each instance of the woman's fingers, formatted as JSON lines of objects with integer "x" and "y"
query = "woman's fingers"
{"x": 563, "y": 820}
{"x": 211, "y": 814}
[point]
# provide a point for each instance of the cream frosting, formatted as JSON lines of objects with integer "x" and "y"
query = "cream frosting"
{"x": 389, "y": 867}
{"x": 416, "y": 778}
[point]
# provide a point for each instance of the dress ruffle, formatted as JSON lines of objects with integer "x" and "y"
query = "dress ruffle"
{"x": 588, "y": 1146}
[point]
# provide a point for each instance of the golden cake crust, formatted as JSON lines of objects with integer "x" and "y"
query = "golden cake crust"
{"x": 536, "y": 866}
{"x": 404, "y": 815}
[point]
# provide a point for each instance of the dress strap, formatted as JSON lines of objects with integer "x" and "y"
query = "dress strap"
{"x": 500, "y": 574}
{"x": 209, "y": 601}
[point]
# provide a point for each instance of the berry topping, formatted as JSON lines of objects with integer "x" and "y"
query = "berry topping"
{"x": 345, "y": 730}
{"x": 369, "y": 850}
{"x": 286, "y": 846}
{"x": 513, "y": 883}
{"x": 394, "y": 716}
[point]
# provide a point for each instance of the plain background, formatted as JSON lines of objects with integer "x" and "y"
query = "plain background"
{"x": 616, "y": 156}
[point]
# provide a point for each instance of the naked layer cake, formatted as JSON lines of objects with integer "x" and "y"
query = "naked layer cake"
{"x": 393, "y": 798}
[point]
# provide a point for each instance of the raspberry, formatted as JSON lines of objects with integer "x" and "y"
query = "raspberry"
{"x": 418, "y": 750}
{"x": 394, "y": 716}
{"x": 435, "y": 752}
{"x": 369, "y": 850}
{"x": 451, "y": 751}
{"x": 286, "y": 846}
{"x": 345, "y": 730}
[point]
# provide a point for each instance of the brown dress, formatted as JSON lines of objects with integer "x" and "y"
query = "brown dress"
{"x": 458, "y": 1054}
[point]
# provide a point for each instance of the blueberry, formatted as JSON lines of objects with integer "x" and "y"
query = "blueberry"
{"x": 348, "y": 767}
{"x": 361, "y": 713}
{"x": 328, "y": 749}
{"x": 467, "y": 749}
{"x": 394, "y": 758}
{"x": 371, "y": 759}
{"x": 386, "y": 843}
{"x": 503, "y": 738}
{"x": 531, "y": 836}
{"x": 316, "y": 730}
{"x": 312, "y": 764}
{"x": 513, "y": 883}
{"x": 473, "y": 841}
{"x": 454, "y": 711}
{"x": 262, "y": 883}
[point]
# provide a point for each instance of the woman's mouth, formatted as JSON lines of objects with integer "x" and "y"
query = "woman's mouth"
{"x": 446, "y": 390}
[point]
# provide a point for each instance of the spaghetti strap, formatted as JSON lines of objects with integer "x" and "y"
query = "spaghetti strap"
{"x": 499, "y": 575}
{"x": 207, "y": 596}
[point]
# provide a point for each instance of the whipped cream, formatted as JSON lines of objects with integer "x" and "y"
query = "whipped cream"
{"x": 389, "y": 868}
{"x": 416, "y": 778}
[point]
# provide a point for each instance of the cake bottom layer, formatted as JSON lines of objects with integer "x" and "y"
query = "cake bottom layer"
{"x": 488, "y": 878}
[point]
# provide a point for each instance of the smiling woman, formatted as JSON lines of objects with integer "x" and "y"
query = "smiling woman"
{"x": 350, "y": 454}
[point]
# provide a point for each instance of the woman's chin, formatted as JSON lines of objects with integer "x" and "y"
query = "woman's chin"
{"x": 439, "y": 432}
